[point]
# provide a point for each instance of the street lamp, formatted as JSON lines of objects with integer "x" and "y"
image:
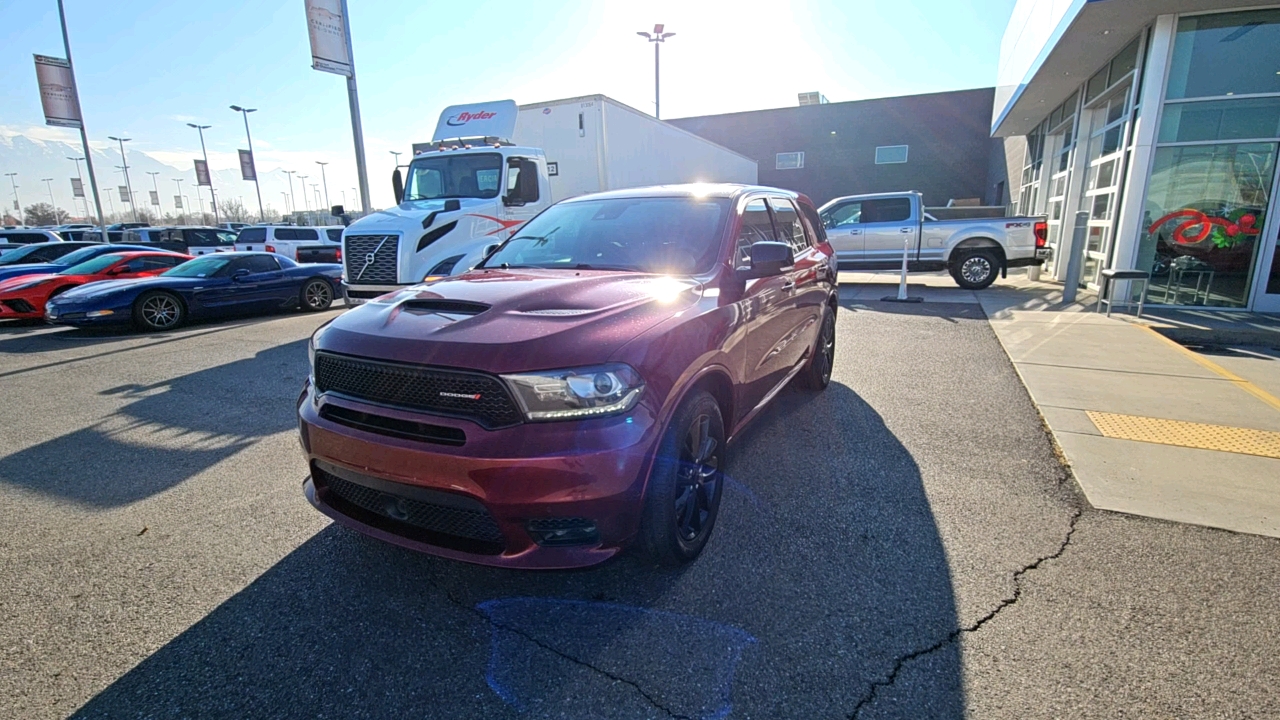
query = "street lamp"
{"x": 657, "y": 38}
{"x": 286, "y": 202}
{"x": 80, "y": 177}
{"x": 17, "y": 205}
{"x": 48, "y": 182}
{"x": 153, "y": 175}
{"x": 325, "y": 181}
{"x": 213, "y": 202}
{"x": 292, "y": 197}
{"x": 306, "y": 205}
{"x": 397, "y": 154}
{"x": 127, "y": 185}
{"x": 262, "y": 215}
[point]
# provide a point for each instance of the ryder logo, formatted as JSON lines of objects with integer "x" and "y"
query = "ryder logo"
{"x": 463, "y": 118}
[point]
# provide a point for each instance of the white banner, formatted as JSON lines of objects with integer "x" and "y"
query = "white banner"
{"x": 328, "y": 31}
{"x": 58, "y": 92}
{"x": 155, "y": 198}
{"x": 247, "y": 171}
{"x": 124, "y": 195}
{"x": 177, "y": 202}
{"x": 77, "y": 187}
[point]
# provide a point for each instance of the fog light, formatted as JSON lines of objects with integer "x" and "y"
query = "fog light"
{"x": 559, "y": 532}
{"x": 100, "y": 313}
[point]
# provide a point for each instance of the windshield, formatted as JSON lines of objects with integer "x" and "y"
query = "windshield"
{"x": 89, "y": 267}
{"x": 678, "y": 235}
{"x": 198, "y": 268}
{"x": 78, "y": 256}
{"x": 454, "y": 176}
{"x": 14, "y": 257}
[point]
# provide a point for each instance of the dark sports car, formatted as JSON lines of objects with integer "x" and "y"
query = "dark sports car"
{"x": 209, "y": 286}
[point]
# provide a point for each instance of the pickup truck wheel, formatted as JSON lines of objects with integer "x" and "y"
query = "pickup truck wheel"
{"x": 818, "y": 374}
{"x": 683, "y": 497}
{"x": 317, "y": 295}
{"x": 975, "y": 269}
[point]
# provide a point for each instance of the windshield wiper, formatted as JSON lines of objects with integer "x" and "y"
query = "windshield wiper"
{"x": 588, "y": 266}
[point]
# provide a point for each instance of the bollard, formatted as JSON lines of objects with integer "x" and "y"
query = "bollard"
{"x": 1075, "y": 257}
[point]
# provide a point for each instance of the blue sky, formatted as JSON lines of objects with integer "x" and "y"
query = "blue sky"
{"x": 147, "y": 67}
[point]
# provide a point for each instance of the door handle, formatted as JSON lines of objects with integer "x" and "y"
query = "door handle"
{"x": 855, "y": 232}
{"x": 789, "y": 285}
{"x": 905, "y": 230}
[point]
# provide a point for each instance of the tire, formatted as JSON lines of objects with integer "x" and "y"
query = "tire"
{"x": 683, "y": 496}
{"x": 817, "y": 374}
{"x": 315, "y": 296}
{"x": 157, "y": 311}
{"x": 975, "y": 269}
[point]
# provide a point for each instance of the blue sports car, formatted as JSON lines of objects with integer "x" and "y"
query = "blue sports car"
{"x": 211, "y": 285}
{"x": 36, "y": 262}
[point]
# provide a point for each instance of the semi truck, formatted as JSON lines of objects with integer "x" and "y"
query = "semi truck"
{"x": 490, "y": 167}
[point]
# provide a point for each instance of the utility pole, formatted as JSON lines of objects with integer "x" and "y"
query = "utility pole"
{"x": 325, "y": 181}
{"x": 213, "y": 201}
{"x": 262, "y": 215}
{"x": 657, "y": 38}
{"x": 84, "y": 135}
{"x": 127, "y": 185}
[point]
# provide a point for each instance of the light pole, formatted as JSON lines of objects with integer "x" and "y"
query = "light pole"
{"x": 80, "y": 177}
{"x": 84, "y": 134}
{"x": 48, "y": 182}
{"x": 316, "y": 189}
{"x": 657, "y": 38}
{"x": 127, "y": 185}
{"x": 306, "y": 205}
{"x": 153, "y": 175}
{"x": 213, "y": 202}
{"x": 324, "y": 180}
{"x": 17, "y": 204}
{"x": 344, "y": 198}
{"x": 285, "y": 195}
{"x": 397, "y": 154}
{"x": 262, "y": 215}
{"x": 182, "y": 216}
{"x": 292, "y": 197}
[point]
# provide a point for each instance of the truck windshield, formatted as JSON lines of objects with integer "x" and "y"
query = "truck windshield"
{"x": 454, "y": 176}
{"x": 675, "y": 235}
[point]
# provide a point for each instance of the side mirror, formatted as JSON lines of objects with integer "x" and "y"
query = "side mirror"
{"x": 336, "y": 210}
{"x": 397, "y": 185}
{"x": 768, "y": 259}
{"x": 452, "y": 205}
{"x": 240, "y": 275}
{"x": 491, "y": 249}
{"x": 512, "y": 200}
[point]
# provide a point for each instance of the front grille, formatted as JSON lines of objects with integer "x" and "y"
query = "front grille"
{"x": 372, "y": 259}
{"x": 19, "y": 305}
{"x": 473, "y": 396}
{"x": 393, "y": 427}
{"x": 429, "y": 515}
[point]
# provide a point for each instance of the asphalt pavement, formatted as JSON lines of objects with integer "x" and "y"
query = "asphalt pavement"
{"x": 903, "y": 545}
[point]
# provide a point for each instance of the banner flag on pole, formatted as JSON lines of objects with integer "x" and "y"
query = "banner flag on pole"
{"x": 202, "y": 174}
{"x": 247, "y": 171}
{"x": 177, "y": 202}
{"x": 77, "y": 188}
{"x": 327, "y": 28}
{"x": 124, "y": 195}
{"x": 58, "y": 92}
{"x": 155, "y": 198}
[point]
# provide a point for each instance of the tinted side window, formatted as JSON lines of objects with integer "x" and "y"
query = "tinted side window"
{"x": 787, "y": 220}
{"x": 886, "y": 210}
{"x": 756, "y": 227}
{"x": 252, "y": 235}
{"x": 226, "y": 237}
{"x": 262, "y": 264}
{"x": 335, "y": 234}
{"x": 845, "y": 215}
{"x": 305, "y": 234}
{"x": 135, "y": 265}
{"x": 27, "y": 238}
{"x": 45, "y": 255}
{"x": 201, "y": 238}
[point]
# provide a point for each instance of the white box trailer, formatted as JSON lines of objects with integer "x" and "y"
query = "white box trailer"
{"x": 594, "y": 143}
{"x": 490, "y": 167}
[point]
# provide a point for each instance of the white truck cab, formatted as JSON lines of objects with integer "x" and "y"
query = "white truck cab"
{"x": 473, "y": 186}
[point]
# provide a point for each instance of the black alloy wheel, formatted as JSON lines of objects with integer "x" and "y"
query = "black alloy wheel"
{"x": 317, "y": 295}
{"x": 156, "y": 311}
{"x": 683, "y": 497}
{"x": 817, "y": 376}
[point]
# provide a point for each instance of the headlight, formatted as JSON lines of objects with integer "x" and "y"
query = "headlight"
{"x": 576, "y": 393}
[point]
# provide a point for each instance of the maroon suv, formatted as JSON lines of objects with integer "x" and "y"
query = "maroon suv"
{"x": 575, "y": 392}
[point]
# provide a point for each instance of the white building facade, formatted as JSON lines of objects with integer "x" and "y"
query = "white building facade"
{"x": 1155, "y": 125}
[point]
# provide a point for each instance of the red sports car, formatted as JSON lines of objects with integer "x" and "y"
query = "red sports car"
{"x": 24, "y": 297}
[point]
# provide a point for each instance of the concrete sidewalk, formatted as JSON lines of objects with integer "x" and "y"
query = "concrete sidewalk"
{"x": 1149, "y": 427}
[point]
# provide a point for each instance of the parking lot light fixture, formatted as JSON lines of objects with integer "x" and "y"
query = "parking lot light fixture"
{"x": 657, "y": 37}
{"x": 213, "y": 201}
{"x": 262, "y": 216}
{"x": 125, "y": 165}
{"x": 325, "y": 182}
{"x": 292, "y": 197}
{"x": 306, "y": 205}
{"x": 80, "y": 177}
{"x": 48, "y": 182}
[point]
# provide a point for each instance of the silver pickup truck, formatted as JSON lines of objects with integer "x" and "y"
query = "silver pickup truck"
{"x": 871, "y": 232}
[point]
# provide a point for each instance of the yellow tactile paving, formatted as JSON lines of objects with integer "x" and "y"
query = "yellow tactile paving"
{"x": 1222, "y": 438}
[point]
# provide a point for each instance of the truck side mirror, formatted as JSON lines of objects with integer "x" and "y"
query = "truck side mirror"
{"x": 337, "y": 210}
{"x": 768, "y": 259}
{"x": 452, "y": 205}
{"x": 397, "y": 186}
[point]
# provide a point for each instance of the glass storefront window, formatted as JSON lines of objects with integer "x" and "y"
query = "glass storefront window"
{"x": 1243, "y": 119}
{"x": 1205, "y": 209}
{"x": 1228, "y": 54}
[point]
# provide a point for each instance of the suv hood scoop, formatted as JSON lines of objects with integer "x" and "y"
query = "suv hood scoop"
{"x": 443, "y": 306}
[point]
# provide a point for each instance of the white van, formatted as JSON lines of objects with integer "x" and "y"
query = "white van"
{"x": 298, "y": 243}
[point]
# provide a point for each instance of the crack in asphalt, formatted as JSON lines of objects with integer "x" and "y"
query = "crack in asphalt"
{"x": 902, "y": 661}
{"x": 616, "y": 678}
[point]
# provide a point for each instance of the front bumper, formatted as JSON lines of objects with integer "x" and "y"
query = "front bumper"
{"x": 361, "y": 294}
{"x": 78, "y": 315}
{"x": 16, "y": 308}
{"x": 593, "y": 470}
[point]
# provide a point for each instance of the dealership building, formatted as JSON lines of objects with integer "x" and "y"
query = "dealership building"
{"x": 1159, "y": 120}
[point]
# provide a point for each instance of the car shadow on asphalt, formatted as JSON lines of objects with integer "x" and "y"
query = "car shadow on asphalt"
{"x": 167, "y": 433}
{"x": 825, "y": 572}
